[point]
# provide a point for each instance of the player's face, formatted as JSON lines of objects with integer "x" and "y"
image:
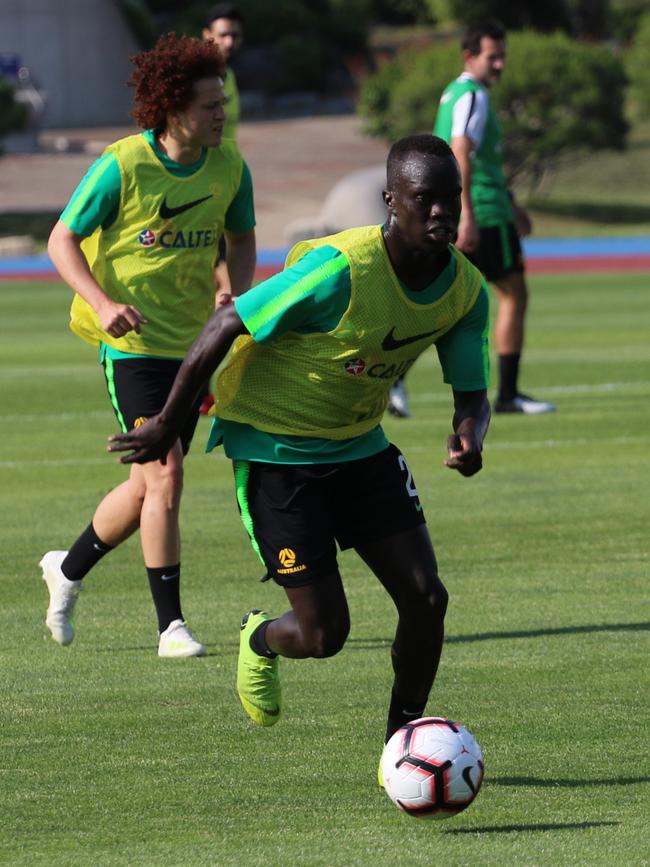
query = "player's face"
{"x": 488, "y": 64}
{"x": 201, "y": 123}
{"x": 424, "y": 205}
{"x": 227, "y": 34}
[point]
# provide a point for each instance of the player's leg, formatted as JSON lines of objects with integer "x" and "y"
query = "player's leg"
{"x": 115, "y": 519}
{"x": 406, "y": 566}
{"x": 138, "y": 388}
{"x": 161, "y": 539}
{"x": 316, "y": 626}
{"x": 284, "y": 509}
{"x": 512, "y": 295}
{"x": 381, "y": 517}
{"x": 318, "y": 623}
{"x": 506, "y": 272}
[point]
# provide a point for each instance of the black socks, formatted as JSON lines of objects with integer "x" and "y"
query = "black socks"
{"x": 258, "y": 641}
{"x": 164, "y": 582}
{"x": 402, "y": 711}
{"x": 508, "y": 376}
{"x": 84, "y": 554}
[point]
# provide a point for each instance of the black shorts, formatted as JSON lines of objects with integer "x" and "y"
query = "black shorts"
{"x": 138, "y": 389}
{"x": 295, "y": 514}
{"x": 499, "y": 252}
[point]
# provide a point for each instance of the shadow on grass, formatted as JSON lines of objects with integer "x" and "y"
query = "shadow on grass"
{"x": 371, "y": 643}
{"x": 564, "y": 784}
{"x": 368, "y": 643}
{"x": 541, "y": 826}
{"x": 594, "y": 212}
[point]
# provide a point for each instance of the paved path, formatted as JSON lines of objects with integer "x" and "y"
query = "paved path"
{"x": 294, "y": 165}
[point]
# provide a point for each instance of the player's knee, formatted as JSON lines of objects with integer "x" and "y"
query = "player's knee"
{"x": 170, "y": 476}
{"x": 440, "y": 600}
{"x": 430, "y": 606}
{"x": 328, "y": 641}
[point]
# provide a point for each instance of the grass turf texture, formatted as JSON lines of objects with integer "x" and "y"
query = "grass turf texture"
{"x": 111, "y": 756}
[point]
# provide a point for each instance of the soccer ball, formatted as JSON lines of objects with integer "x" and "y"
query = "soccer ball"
{"x": 432, "y": 767}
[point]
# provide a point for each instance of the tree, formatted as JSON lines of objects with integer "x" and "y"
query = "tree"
{"x": 13, "y": 114}
{"x": 513, "y": 14}
{"x": 639, "y": 69}
{"x": 557, "y": 97}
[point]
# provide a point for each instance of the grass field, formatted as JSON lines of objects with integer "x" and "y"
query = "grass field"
{"x": 110, "y": 756}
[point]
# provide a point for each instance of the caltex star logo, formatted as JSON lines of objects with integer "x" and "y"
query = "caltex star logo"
{"x": 355, "y": 366}
{"x": 147, "y": 238}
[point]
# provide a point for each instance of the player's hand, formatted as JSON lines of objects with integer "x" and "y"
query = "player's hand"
{"x": 468, "y": 235}
{"x": 118, "y": 319}
{"x": 151, "y": 441}
{"x": 222, "y": 298}
{"x": 464, "y": 455}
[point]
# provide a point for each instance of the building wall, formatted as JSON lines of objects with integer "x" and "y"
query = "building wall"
{"x": 78, "y": 52}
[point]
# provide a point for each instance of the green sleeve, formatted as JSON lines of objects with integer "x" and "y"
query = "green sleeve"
{"x": 310, "y": 296}
{"x": 463, "y": 351}
{"x": 240, "y": 216}
{"x": 96, "y": 201}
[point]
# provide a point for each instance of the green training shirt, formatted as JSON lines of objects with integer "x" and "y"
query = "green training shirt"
{"x": 96, "y": 200}
{"x": 466, "y": 109}
{"x": 311, "y": 296}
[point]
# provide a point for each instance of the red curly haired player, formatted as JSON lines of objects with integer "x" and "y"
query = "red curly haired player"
{"x": 137, "y": 243}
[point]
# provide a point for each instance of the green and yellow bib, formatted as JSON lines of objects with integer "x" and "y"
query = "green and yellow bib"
{"x": 335, "y": 385}
{"x": 160, "y": 252}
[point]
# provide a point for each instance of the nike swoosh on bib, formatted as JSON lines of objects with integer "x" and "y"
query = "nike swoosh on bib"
{"x": 391, "y": 342}
{"x": 166, "y": 212}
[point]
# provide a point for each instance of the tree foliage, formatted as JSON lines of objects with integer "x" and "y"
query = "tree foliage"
{"x": 13, "y": 114}
{"x": 557, "y": 97}
{"x": 638, "y": 66}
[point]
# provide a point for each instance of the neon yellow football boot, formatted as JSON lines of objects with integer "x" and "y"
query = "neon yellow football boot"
{"x": 258, "y": 678}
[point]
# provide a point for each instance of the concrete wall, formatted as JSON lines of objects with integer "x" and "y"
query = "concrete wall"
{"x": 77, "y": 50}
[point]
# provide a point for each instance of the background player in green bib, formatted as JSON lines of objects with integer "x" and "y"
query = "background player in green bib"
{"x": 490, "y": 224}
{"x": 305, "y": 363}
{"x": 138, "y": 244}
{"x": 224, "y": 25}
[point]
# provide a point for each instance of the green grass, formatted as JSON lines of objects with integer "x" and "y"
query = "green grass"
{"x": 111, "y": 756}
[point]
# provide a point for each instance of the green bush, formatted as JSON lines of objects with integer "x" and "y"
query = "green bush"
{"x": 556, "y": 97}
{"x": 625, "y": 17}
{"x": 549, "y": 15}
{"x": 13, "y": 115}
{"x": 638, "y": 67}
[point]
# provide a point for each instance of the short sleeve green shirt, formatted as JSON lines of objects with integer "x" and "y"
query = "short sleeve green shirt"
{"x": 311, "y": 296}
{"x": 96, "y": 200}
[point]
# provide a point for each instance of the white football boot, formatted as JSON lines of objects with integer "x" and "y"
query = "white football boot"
{"x": 177, "y": 640}
{"x": 63, "y": 597}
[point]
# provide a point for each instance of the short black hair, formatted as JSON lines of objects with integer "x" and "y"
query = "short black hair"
{"x": 223, "y": 10}
{"x": 422, "y": 145}
{"x": 475, "y": 32}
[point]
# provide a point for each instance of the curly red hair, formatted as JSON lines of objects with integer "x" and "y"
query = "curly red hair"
{"x": 164, "y": 76}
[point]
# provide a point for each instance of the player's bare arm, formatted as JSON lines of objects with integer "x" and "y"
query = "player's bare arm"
{"x": 468, "y": 233}
{"x": 153, "y": 440}
{"x": 471, "y": 421}
{"x": 241, "y": 257}
{"x": 64, "y": 248}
